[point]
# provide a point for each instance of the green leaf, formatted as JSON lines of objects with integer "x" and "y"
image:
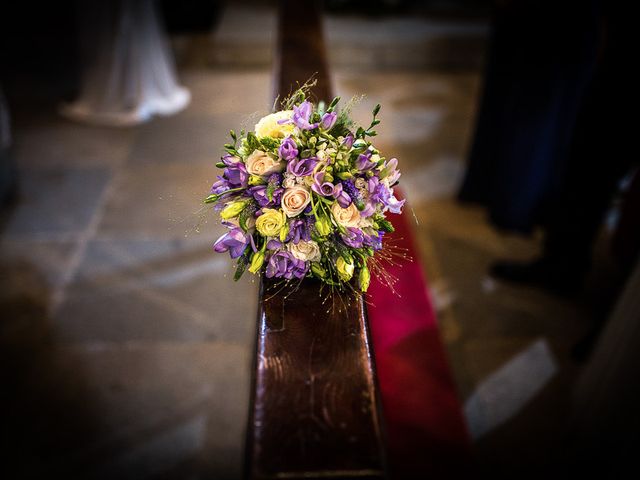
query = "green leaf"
{"x": 220, "y": 165}
{"x": 271, "y": 187}
{"x": 376, "y": 110}
{"x": 385, "y": 225}
{"x": 253, "y": 141}
{"x": 245, "y": 215}
{"x": 242, "y": 264}
{"x": 333, "y": 104}
{"x": 269, "y": 143}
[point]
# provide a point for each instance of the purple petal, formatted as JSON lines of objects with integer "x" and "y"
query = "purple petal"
{"x": 329, "y": 120}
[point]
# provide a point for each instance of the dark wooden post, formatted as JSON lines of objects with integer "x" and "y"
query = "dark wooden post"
{"x": 315, "y": 410}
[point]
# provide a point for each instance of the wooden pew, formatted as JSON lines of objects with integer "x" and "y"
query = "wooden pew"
{"x": 315, "y": 408}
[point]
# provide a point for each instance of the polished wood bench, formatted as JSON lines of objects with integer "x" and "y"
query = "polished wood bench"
{"x": 315, "y": 407}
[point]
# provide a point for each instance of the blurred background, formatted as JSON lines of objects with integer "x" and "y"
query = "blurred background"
{"x": 125, "y": 348}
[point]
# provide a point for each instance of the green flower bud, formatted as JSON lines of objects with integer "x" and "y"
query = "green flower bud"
{"x": 385, "y": 225}
{"x": 345, "y": 269}
{"x": 232, "y": 210}
{"x": 359, "y": 145}
{"x": 256, "y": 180}
{"x": 284, "y": 232}
{"x": 323, "y": 226}
{"x": 317, "y": 270}
{"x": 256, "y": 261}
{"x": 364, "y": 278}
{"x": 344, "y": 175}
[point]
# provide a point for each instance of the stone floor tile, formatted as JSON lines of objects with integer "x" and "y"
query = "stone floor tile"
{"x": 57, "y": 201}
{"x": 207, "y": 308}
{"x": 215, "y": 92}
{"x": 48, "y": 259}
{"x": 160, "y": 201}
{"x": 60, "y": 143}
{"x": 157, "y": 289}
{"x": 185, "y": 139}
{"x": 107, "y": 260}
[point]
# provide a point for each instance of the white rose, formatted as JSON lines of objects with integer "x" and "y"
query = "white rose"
{"x": 259, "y": 163}
{"x": 295, "y": 200}
{"x": 268, "y": 126}
{"x": 306, "y": 251}
{"x": 347, "y": 217}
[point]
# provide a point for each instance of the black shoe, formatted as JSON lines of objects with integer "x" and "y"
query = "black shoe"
{"x": 559, "y": 278}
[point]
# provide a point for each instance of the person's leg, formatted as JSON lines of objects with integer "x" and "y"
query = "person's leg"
{"x": 598, "y": 160}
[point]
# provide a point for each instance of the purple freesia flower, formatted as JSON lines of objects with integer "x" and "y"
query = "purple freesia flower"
{"x": 236, "y": 174}
{"x": 274, "y": 244}
{"x": 391, "y": 171}
{"x": 328, "y": 120}
{"x": 343, "y": 198}
{"x": 364, "y": 162}
{"x": 302, "y": 167}
{"x": 234, "y": 241}
{"x": 378, "y": 191}
{"x": 221, "y": 186}
{"x": 298, "y": 230}
{"x": 259, "y": 192}
{"x": 395, "y": 205}
{"x": 368, "y": 210}
{"x": 326, "y": 189}
{"x": 301, "y": 115}
{"x": 284, "y": 265}
{"x": 229, "y": 159}
{"x": 348, "y": 141}
{"x": 374, "y": 241}
{"x": 288, "y": 149}
{"x": 353, "y": 237}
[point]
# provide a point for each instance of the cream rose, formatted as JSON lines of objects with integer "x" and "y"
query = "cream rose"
{"x": 270, "y": 222}
{"x": 268, "y": 126}
{"x": 259, "y": 163}
{"x": 305, "y": 251}
{"x": 347, "y": 217}
{"x": 295, "y": 200}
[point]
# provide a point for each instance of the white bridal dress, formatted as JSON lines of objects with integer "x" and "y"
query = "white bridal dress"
{"x": 129, "y": 75}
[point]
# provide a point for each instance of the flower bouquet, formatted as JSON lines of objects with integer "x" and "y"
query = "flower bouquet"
{"x": 305, "y": 195}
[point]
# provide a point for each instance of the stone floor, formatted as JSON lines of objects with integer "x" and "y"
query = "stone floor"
{"x": 129, "y": 343}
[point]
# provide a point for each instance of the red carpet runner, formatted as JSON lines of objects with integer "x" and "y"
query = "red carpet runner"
{"x": 426, "y": 433}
